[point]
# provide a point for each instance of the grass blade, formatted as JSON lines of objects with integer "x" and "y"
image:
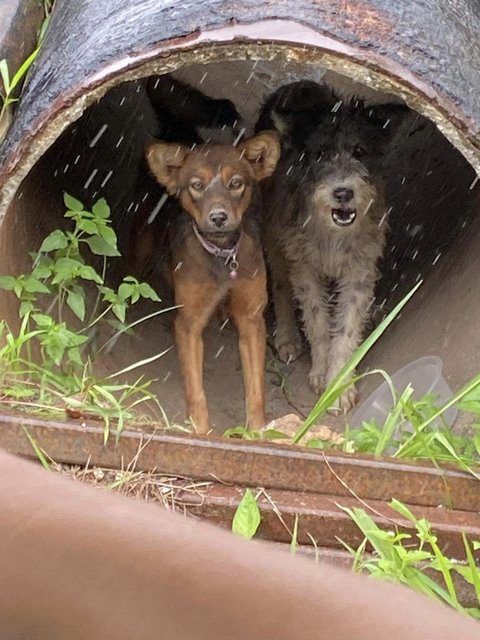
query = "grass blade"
{"x": 140, "y": 363}
{"x": 338, "y": 384}
{"x": 391, "y": 422}
{"x": 5, "y": 76}
{"x": 467, "y": 388}
{"x": 23, "y": 70}
{"x": 294, "y": 540}
{"x": 39, "y": 452}
{"x": 475, "y": 572}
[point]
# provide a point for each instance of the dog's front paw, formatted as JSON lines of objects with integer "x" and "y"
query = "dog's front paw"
{"x": 317, "y": 381}
{"x": 288, "y": 351}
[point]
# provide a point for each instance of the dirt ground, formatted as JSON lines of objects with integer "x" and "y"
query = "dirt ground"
{"x": 287, "y": 389}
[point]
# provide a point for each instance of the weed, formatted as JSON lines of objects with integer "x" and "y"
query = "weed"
{"x": 395, "y": 558}
{"x": 411, "y": 429}
{"x": 11, "y": 83}
{"x": 247, "y": 516}
{"x": 63, "y": 379}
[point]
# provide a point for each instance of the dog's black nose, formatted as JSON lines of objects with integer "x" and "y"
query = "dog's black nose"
{"x": 343, "y": 195}
{"x": 218, "y": 218}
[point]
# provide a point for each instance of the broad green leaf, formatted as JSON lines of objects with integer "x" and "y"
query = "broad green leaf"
{"x": 109, "y": 295}
{"x": 120, "y": 309}
{"x": 43, "y": 320}
{"x": 101, "y": 209}
{"x": 54, "y": 347}
{"x": 247, "y": 516}
{"x": 55, "y": 240}
{"x": 18, "y": 392}
{"x": 76, "y": 303}
{"x": 315, "y": 443}
{"x": 72, "y": 203}
{"x": 99, "y": 247}
{"x": 146, "y": 291}
{"x": 88, "y": 226}
{"x": 125, "y": 291}
{"x": 43, "y": 269}
{"x": 7, "y": 282}
{"x": 108, "y": 234}
{"x": 32, "y": 285}
{"x": 74, "y": 356}
{"x": 89, "y": 273}
{"x": 25, "y": 307}
{"x": 69, "y": 338}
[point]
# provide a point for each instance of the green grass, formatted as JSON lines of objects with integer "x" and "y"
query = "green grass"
{"x": 48, "y": 365}
{"x": 398, "y": 557}
{"x": 11, "y": 83}
{"x": 413, "y": 561}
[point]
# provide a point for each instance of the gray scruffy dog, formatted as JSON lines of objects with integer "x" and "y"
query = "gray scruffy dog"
{"x": 325, "y": 221}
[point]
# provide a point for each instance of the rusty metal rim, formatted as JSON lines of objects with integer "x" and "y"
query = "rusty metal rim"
{"x": 244, "y": 462}
{"x": 267, "y": 39}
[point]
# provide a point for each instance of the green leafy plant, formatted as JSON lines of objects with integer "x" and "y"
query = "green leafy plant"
{"x": 55, "y": 293}
{"x": 247, "y": 516}
{"x": 250, "y": 434}
{"x": 10, "y": 83}
{"x": 398, "y": 559}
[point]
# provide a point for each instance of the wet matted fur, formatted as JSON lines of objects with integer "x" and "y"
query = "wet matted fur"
{"x": 325, "y": 221}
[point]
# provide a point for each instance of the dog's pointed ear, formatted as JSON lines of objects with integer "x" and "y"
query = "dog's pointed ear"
{"x": 165, "y": 161}
{"x": 263, "y": 153}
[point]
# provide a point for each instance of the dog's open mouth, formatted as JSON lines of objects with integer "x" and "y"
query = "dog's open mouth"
{"x": 344, "y": 217}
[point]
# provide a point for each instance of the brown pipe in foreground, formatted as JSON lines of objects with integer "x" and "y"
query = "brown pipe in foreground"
{"x": 80, "y": 564}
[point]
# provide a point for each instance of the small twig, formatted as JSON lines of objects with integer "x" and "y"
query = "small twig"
{"x": 362, "y": 502}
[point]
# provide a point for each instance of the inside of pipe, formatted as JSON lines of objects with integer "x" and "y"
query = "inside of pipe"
{"x": 432, "y": 195}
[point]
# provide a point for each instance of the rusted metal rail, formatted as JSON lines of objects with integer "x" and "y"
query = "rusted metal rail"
{"x": 246, "y": 463}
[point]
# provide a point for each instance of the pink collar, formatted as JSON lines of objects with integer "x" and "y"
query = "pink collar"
{"x": 230, "y": 255}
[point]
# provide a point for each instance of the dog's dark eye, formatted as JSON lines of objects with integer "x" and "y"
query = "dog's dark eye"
{"x": 359, "y": 152}
{"x": 235, "y": 183}
{"x": 197, "y": 185}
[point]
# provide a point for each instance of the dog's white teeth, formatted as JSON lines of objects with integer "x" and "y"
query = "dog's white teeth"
{"x": 344, "y": 218}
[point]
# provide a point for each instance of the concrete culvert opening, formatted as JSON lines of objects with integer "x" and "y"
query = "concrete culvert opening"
{"x": 432, "y": 194}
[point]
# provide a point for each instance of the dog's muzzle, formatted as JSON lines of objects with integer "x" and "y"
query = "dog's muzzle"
{"x": 344, "y": 217}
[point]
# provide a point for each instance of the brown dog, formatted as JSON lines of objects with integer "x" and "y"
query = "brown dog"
{"x": 214, "y": 254}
